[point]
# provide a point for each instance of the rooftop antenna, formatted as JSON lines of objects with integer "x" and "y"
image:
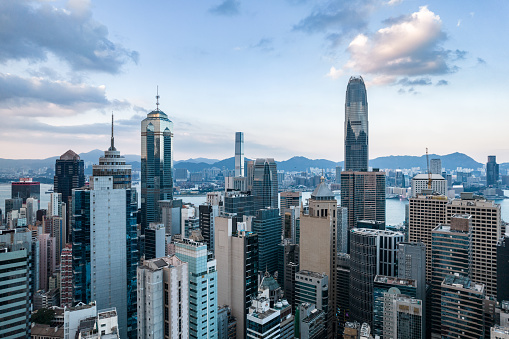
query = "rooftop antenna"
{"x": 157, "y": 98}
{"x": 429, "y": 171}
{"x": 112, "y": 147}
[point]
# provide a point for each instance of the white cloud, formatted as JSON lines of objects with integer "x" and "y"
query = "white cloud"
{"x": 459, "y": 23}
{"x": 407, "y": 47}
{"x": 394, "y": 2}
{"x": 334, "y": 73}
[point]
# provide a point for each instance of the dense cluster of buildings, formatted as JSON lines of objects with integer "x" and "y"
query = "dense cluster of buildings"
{"x": 252, "y": 261}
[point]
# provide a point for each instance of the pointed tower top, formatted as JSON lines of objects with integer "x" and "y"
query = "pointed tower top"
{"x": 157, "y": 99}
{"x": 112, "y": 147}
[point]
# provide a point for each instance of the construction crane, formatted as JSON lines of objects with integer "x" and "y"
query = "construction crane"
{"x": 429, "y": 171}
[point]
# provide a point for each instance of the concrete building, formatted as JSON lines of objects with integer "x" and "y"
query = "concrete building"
{"x": 226, "y": 323}
{"x": 155, "y": 241}
{"x": 203, "y": 285}
{"x": 237, "y": 266}
{"x": 15, "y": 283}
{"x": 462, "y": 308}
{"x": 66, "y": 285}
{"x": 311, "y": 322}
{"x": 239, "y": 154}
{"x": 47, "y": 259}
{"x": 420, "y": 182}
{"x": 73, "y": 316}
{"x": 435, "y": 166}
{"x": 403, "y": 317}
{"x": 372, "y": 252}
{"x": 363, "y": 194}
{"x": 163, "y": 298}
{"x": 289, "y": 199}
{"x": 426, "y": 211}
{"x": 312, "y": 288}
{"x": 486, "y": 231}
{"x": 499, "y": 332}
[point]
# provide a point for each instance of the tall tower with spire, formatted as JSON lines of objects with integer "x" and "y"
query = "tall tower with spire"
{"x": 156, "y": 164}
{"x": 356, "y": 126}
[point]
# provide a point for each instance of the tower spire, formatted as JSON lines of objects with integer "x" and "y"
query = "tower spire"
{"x": 112, "y": 147}
{"x": 157, "y": 99}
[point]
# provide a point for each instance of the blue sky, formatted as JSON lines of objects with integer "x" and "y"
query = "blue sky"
{"x": 277, "y": 70}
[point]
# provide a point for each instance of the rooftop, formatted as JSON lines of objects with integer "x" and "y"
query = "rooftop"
{"x": 464, "y": 282}
{"x": 424, "y": 176}
{"x": 395, "y": 281}
{"x": 312, "y": 274}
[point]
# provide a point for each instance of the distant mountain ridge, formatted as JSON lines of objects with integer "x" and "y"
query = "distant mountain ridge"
{"x": 297, "y": 163}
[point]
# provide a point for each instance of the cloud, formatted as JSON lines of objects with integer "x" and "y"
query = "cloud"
{"x": 394, "y": 2}
{"x": 415, "y": 82}
{"x": 410, "y": 47}
{"x": 481, "y": 61}
{"x": 29, "y": 30}
{"x": 22, "y": 91}
{"x": 334, "y": 73}
{"x": 459, "y": 23}
{"x": 442, "y": 83}
{"x": 227, "y": 8}
{"x": 265, "y": 45}
{"x": 337, "y": 19}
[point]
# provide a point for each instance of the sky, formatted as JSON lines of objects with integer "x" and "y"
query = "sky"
{"x": 436, "y": 75}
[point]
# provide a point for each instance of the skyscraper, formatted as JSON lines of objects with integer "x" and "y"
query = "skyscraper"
{"x": 502, "y": 268}
{"x": 435, "y": 166}
{"x": 267, "y": 224}
{"x": 356, "y": 126}
{"x": 265, "y": 188}
{"x": 26, "y": 188}
{"x": 492, "y": 171}
{"x": 239, "y": 154}
{"x": 69, "y": 174}
{"x": 156, "y": 164}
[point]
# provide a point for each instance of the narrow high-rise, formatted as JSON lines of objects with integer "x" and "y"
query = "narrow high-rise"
{"x": 356, "y": 126}
{"x": 492, "y": 171}
{"x": 156, "y": 164}
{"x": 239, "y": 154}
{"x": 265, "y": 187}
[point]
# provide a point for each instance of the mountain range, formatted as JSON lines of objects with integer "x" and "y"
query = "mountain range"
{"x": 298, "y": 163}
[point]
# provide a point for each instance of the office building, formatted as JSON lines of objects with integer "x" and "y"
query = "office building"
{"x": 502, "y": 268}
{"x": 206, "y": 214}
{"x": 421, "y": 182}
{"x": 426, "y": 211}
{"x": 240, "y": 203}
{"x": 239, "y": 154}
{"x": 356, "y": 126}
{"x": 462, "y": 308}
{"x": 265, "y": 187}
{"x": 15, "y": 296}
{"x": 203, "y": 285}
{"x": 189, "y": 220}
{"x": 163, "y": 298}
{"x": 262, "y": 320}
{"x": 74, "y": 315}
{"x": 155, "y": 241}
{"x": 451, "y": 253}
{"x": 318, "y": 240}
{"x": 492, "y": 171}
{"x": 267, "y": 224}
{"x": 435, "y": 166}
{"x": 411, "y": 259}
{"x": 226, "y": 323}
{"x": 343, "y": 294}
{"x": 383, "y": 285}
{"x": 312, "y": 322}
{"x": 289, "y": 199}
{"x": 104, "y": 325}
{"x": 337, "y": 179}
{"x": 342, "y": 219}
{"x": 403, "y": 317}
{"x": 26, "y": 188}
{"x": 100, "y": 265}
{"x": 288, "y": 265}
{"x": 47, "y": 259}
{"x": 13, "y": 204}
{"x": 171, "y": 215}
{"x": 291, "y": 224}
{"x": 486, "y": 231}
{"x": 66, "y": 285}
{"x": 363, "y": 194}
{"x": 372, "y": 252}
{"x": 156, "y": 164}
{"x": 237, "y": 266}
{"x": 313, "y": 288}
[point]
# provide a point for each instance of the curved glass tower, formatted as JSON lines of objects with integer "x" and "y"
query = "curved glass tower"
{"x": 156, "y": 164}
{"x": 356, "y": 126}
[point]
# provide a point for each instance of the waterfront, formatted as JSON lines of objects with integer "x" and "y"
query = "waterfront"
{"x": 395, "y": 208}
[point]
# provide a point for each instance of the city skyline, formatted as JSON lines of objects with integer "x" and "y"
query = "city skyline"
{"x": 229, "y": 65}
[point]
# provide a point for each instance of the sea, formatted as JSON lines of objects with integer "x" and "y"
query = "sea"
{"x": 394, "y": 208}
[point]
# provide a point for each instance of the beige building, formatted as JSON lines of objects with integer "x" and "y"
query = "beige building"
{"x": 426, "y": 211}
{"x": 318, "y": 238}
{"x": 237, "y": 261}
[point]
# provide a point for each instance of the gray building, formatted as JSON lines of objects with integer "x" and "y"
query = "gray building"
{"x": 356, "y": 126}
{"x": 239, "y": 154}
{"x": 492, "y": 171}
{"x": 265, "y": 186}
{"x": 503, "y": 268}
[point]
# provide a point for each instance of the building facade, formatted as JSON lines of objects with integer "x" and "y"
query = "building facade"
{"x": 265, "y": 186}
{"x": 267, "y": 224}
{"x": 356, "y": 126}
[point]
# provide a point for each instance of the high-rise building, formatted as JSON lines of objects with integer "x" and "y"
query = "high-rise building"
{"x": 47, "y": 259}
{"x": 237, "y": 266}
{"x": 486, "y": 231}
{"x": 291, "y": 224}
{"x": 156, "y": 164}
{"x": 318, "y": 240}
{"x": 313, "y": 288}
{"x": 492, "y": 171}
{"x": 288, "y": 265}
{"x": 171, "y": 215}
{"x": 356, "y": 126}
{"x": 100, "y": 265}
{"x": 26, "y": 188}
{"x": 462, "y": 308}
{"x": 421, "y": 181}
{"x": 265, "y": 187}
{"x": 363, "y": 194}
{"x": 163, "y": 298}
{"x": 203, "y": 286}
{"x": 267, "y": 224}
{"x": 312, "y": 322}
{"x": 240, "y": 203}
{"x": 403, "y": 317}
{"x": 342, "y": 229}
{"x": 239, "y": 154}
{"x": 451, "y": 253}
{"x": 372, "y": 252}
{"x": 155, "y": 241}
{"x": 337, "y": 179}
{"x": 66, "y": 286}
{"x": 343, "y": 293}
{"x": 503, "y": 268}
{"x": 16, "y": 277}
{"x": 411, "y": 258}
{"x": 262, "y": 320}
{"x": 289, "y": 199}
{"x": 206, "y": 214}
{"x": 426, "y": 211}
{"x": 435, "y": 166}
{"x": 113, "y": 165}
{"x": 226, "y": 323}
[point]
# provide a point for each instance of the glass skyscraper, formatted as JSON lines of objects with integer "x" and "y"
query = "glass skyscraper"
{"x": 265, "y": 184}
{"x": 156, "y": 164}
{"x": 356, "y": 126}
